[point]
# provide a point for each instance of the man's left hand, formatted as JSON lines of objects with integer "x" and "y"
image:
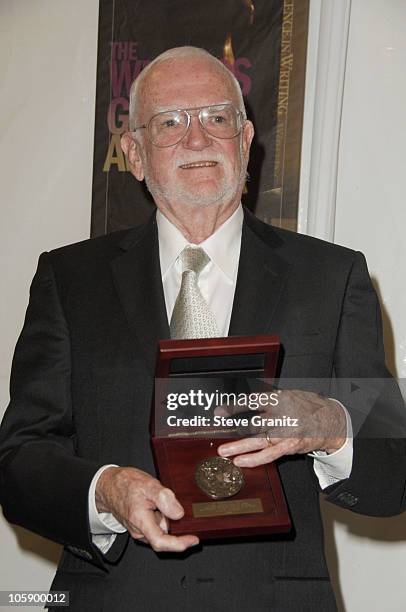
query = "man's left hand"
{"x": 321, "y": 426}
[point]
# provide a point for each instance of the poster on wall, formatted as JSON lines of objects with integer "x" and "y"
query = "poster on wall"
{"x": 263, "y": 42}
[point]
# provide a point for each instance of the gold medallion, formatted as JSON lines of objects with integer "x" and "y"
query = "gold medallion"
{"x": 219, "y": 478}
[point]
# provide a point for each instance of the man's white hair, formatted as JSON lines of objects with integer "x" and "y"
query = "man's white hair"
{"x": 178, "y": 53}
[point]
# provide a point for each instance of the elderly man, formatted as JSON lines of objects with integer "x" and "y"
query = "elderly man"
{"x": 76, "y": 462}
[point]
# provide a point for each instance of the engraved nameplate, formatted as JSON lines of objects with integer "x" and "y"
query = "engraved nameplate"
{"x": 222, "y": 508}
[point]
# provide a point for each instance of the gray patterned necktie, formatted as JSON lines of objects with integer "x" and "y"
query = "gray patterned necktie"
{"x": 192, "y": 317}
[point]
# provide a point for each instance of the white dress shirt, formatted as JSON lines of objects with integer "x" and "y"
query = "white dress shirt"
{"x": 217, "y": 282}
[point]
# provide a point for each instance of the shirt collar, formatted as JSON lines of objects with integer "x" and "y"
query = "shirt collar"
{"x": 223, "y": 247}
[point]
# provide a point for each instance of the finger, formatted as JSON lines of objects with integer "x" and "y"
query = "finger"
{"x": 238, "y": 447}
{"x": 163, "y": 524}
{"x": 229, "y": 410}
{"x": 268, "y": 454}
{"x": 160, "y": 521}
{"x": 163, "y": 499}
{"x": 161, "y": 541}
{"x": 272, "y": 441}
{"x": 167, "y": 503}
{"x": 222, "y": 410}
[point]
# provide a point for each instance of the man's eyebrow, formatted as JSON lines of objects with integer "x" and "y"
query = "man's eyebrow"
{"x": 162, "y": 109}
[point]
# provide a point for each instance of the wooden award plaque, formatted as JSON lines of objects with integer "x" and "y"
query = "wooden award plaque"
{"x": 259, "y": 507}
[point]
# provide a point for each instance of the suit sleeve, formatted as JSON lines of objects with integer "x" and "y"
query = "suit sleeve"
{"x": 376, "y": 485}
{"x": 43, "y": 483}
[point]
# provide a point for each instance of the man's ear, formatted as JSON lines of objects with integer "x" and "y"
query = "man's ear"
{"x": 131, "y": 151}
{"x": 247, "y": 136}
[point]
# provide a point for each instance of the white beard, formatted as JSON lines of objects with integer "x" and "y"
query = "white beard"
{"x": 227, "y": 189}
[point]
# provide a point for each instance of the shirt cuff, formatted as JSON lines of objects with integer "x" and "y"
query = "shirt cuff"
{"x": 104, "y": 541}
{"x": 101, "y": 523}
{"x": 337, "y": 466}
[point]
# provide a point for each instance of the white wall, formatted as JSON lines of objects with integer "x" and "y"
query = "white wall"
{"x": 371, "y": 217}
{"x": 371, "y": 211}
{"x": 48, "y": 70}
{"x": 47, "y": 84}
{"x": 352, "y": 189}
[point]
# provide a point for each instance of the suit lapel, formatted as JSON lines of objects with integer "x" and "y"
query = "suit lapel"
{"x": 260, "y": 281}
{"x": 137, "y": 277}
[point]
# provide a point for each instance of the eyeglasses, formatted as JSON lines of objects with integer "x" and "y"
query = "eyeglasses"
{"x": 167, "y": 128}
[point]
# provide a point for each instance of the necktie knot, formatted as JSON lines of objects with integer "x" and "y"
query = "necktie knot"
{"x": 194, "y": 259}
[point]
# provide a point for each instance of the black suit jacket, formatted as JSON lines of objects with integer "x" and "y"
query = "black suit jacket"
{"x": 81, "y": 389}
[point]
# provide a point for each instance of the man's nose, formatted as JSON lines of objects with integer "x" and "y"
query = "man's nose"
{"x": 196, "y": 136}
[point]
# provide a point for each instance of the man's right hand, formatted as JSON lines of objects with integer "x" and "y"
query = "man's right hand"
{"x": 142, "y": 505}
